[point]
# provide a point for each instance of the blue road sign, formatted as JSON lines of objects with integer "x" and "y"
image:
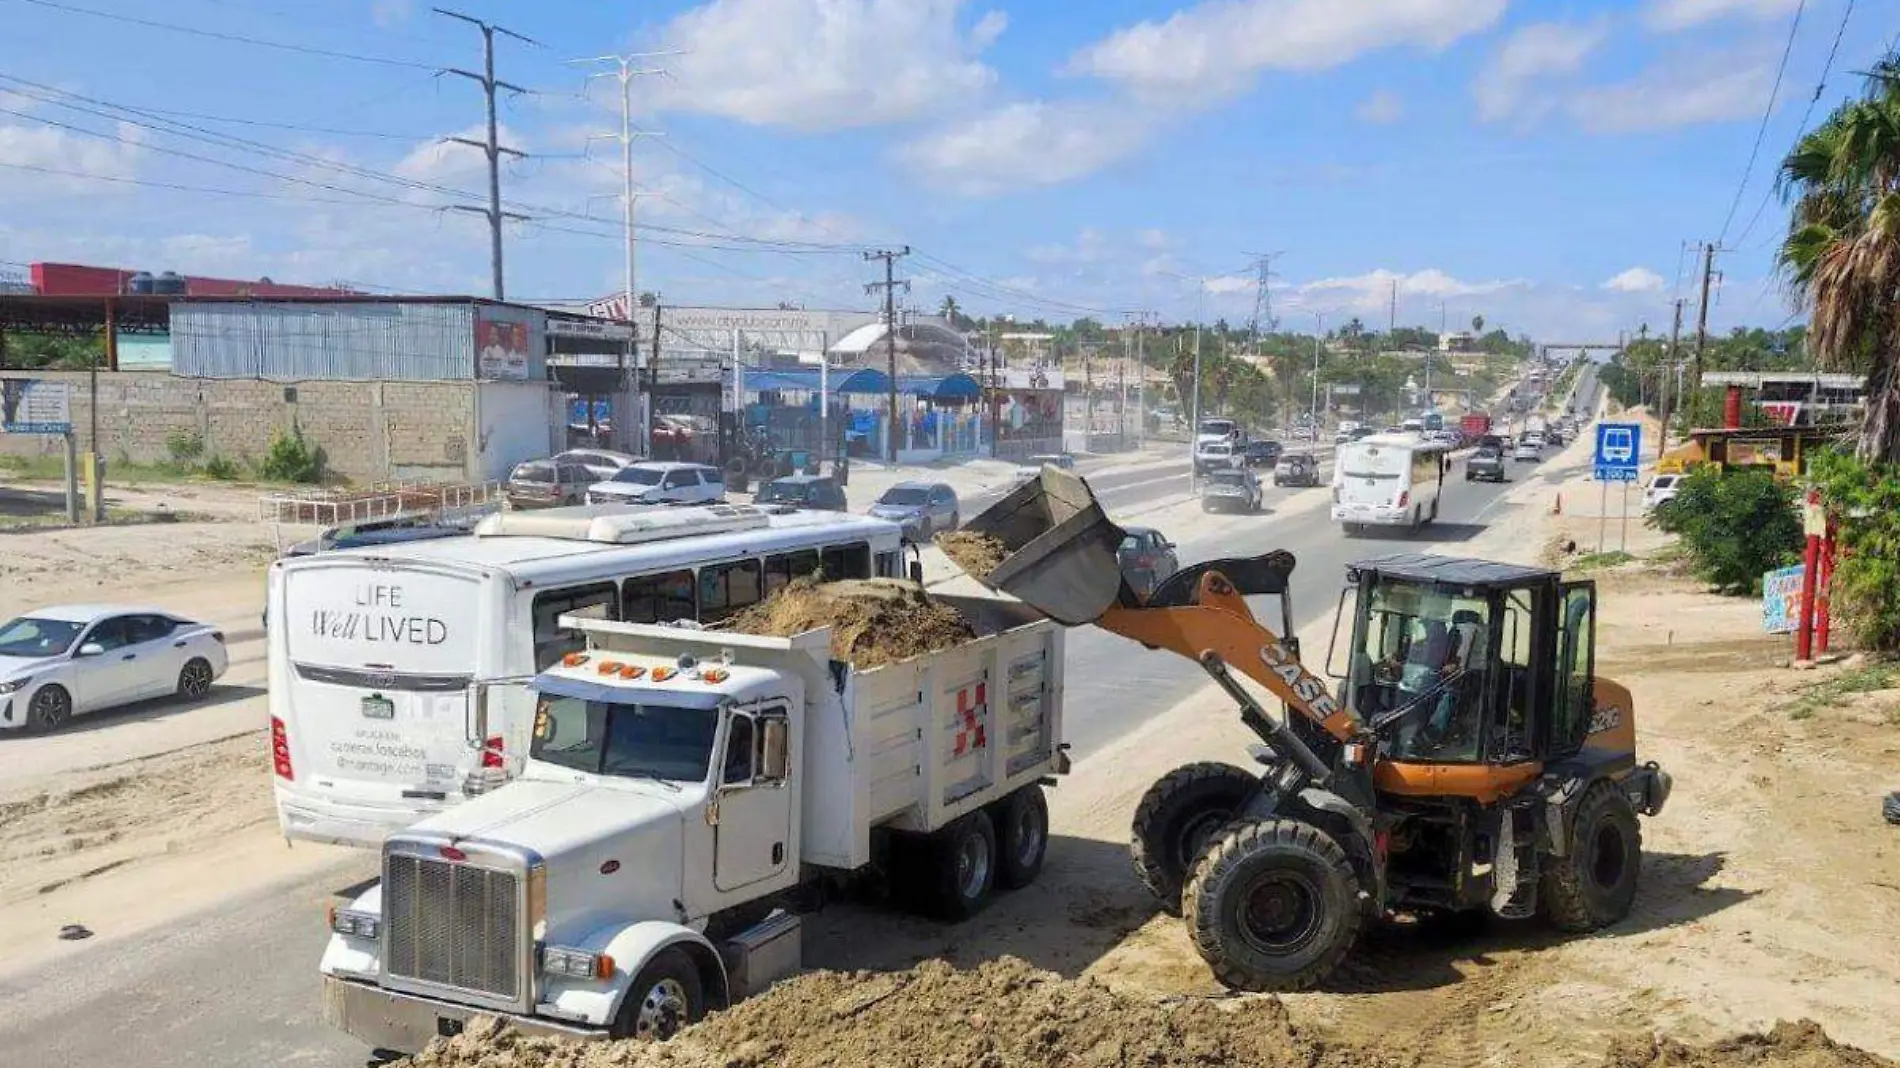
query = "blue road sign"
{"x": 1619, "y": 451}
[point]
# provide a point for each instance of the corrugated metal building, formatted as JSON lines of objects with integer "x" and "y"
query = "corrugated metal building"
{"x": 371, "y": 339}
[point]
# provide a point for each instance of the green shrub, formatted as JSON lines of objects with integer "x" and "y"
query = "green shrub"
{"x": 1734, "y": 526}
{"x": 221, "y": 469}
{"x": 291, "y": 459}
{"x": 185, "y": 447}
{"x": 1865, "y": 498}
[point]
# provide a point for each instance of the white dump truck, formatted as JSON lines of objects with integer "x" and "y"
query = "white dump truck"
{"x": 685, "y": 793}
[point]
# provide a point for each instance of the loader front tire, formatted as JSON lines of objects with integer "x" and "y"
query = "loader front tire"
{"x": 1273, "y": 905}
{"x": 1593, "y": 884}
{"x": 1177, "y": 817}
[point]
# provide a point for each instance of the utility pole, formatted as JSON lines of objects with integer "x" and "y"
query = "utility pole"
{"x": 1392, "y": 310}
{"x": 889, "y": 286}
{"x": 1319, "y": 331}
{"x": 653, "y": 377}
{"x": 996, "y": 391}
{"x": 491, "y": 148}
{"x": 626, "y": 72}
{"x": 1663, "y": 375}
{"x": 1687, "y": 401}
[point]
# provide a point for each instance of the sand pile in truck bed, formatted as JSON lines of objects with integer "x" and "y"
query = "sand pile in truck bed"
{"x": 1003, "y": 1014}
{"x": 872, "y": 621}
{"x": 976, "y": 554}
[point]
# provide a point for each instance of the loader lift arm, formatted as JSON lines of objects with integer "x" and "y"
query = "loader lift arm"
{"x": 1061, "y": 559}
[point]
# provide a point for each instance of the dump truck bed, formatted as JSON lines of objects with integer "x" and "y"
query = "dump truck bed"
{"x": 909, "y": 745}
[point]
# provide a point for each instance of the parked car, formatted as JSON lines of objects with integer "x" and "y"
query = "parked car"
{"x": 547, "y": 484}
{"x": 1065, "y": 461}
{"x": 661, "y": 483}
{"x": 602, "y": 462}
{"x": 1661, "y": 489}
{"x": 1147, "y": 559}
{"x": 1527, "y": 449}
{"x": 819, "y": 493}
{"x": 1296, "y": 469}
{"x": 1262, "y": 453}
{"x": 1232, "y": 490}
{"x": 1486, "y": 463}
{"x": 923, "y": 509}
{"x": 68, "y": 660}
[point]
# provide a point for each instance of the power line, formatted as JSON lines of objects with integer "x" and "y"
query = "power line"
{"x": 1801, "y": 128}
{"x": 234, "y": 38}
{"x": 1767, "y": 112}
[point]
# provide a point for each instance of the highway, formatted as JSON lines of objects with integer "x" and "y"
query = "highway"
{"x": 239, "y": 985}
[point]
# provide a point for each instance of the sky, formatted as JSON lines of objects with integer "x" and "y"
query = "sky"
{"x": 1547, "y": 165}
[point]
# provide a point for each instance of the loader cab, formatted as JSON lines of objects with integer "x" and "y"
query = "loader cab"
{"x": 1473, "y": 674}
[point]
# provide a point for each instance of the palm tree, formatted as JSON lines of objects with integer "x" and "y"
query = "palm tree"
{"x": 1477, "y": 324}
{"x": 951, "y": 311}
{"x": 1841, "y": 256}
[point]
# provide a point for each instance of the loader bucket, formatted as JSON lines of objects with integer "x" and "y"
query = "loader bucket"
{"x": 1062, "y": 548}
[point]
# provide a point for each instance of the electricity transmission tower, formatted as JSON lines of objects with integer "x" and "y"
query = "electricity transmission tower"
{"x": 490, "y": 147}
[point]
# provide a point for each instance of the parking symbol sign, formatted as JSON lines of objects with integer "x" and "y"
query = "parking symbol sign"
{"x": 1619, "y": 447}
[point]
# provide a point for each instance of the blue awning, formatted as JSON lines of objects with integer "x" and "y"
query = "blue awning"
{"x": 940, "y": 388}
{"x": 806, "y": 379}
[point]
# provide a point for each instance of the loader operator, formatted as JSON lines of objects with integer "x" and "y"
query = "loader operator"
{"x": 1436, "y": 685}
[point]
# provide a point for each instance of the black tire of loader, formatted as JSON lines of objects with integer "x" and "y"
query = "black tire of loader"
{"x": 1594, "y": 884}
{"x": 1177, "y": 817}
{"x": 1273, "y": 906}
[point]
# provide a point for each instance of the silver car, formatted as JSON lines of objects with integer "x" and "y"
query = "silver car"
{"x": 923, "y": 509}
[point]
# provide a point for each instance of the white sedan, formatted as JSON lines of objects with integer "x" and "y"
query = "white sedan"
{"x": 70, "y": 659}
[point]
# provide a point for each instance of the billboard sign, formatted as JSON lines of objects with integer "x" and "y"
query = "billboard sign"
{"x": 35, "y": 406}
{"x": 501, "y": 350}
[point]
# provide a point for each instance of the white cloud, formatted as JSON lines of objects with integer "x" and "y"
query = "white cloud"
{"x": 1672, "y": 15}
{"x": 1029, "y": 143}
{"x": 1636, "y": 280}
{"x": 1672, "y": 93}
{"x": 1382, "y": 108}
{"x": 826, "y": 64}
{"x": 1090, "y": 246}
{"x": 1227, "y": 284}
{"x": 1510, "y": 84}
{"x": 387, "y": 13}
{"x": 1215, "y": 48}
{"x": 442, "y": 162}
{"x": 83, "y": 158}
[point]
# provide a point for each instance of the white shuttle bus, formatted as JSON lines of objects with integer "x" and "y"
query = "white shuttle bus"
{"x": 1388, "y": 480}
{"x": 398, "y": 674}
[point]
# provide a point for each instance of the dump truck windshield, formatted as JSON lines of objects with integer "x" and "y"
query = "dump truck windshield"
{"x": 636, "y": 741}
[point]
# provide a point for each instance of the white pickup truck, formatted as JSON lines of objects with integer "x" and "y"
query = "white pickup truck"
{"x": 683, "y": 791}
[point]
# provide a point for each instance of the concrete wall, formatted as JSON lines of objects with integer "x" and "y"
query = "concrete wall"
{"x": 368, "y": 430}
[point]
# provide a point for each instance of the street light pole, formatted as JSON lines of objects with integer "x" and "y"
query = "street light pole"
{"x": 1319, "y": 331}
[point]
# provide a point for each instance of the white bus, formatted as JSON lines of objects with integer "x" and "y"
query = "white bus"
{"x": 397, "y": 673}
{"x": 1388, "y": 480}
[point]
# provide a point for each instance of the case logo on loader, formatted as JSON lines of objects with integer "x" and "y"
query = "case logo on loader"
{"x": 1605, "y": 718}
{"x": 1304, "y": 685}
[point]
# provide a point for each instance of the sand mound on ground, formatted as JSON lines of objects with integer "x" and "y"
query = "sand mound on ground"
{"x": 872, "y": 621}
{"x": 1789, "y": 1045}
{"x": 1003, "y": 1014}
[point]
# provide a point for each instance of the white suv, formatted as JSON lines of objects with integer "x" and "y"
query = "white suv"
{"x": 661, "y": 483}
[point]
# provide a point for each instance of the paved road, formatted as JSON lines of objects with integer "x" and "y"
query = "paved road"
{"x": 238, "y": 985}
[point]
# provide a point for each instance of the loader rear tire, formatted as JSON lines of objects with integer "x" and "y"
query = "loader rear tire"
{"x": 1273, "y": 905}
{"x": 1594, "y": 884}
{"x": 1177, "y": 817}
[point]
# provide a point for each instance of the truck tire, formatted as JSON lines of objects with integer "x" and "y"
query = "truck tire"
{"x": 666, "y": 996}
{"x": 1022, "y": 823}
{"x": 1273, "y": 905}
{"x": 961, "y": 868}
{"x": 1594, "y": 884}
{"x": 1183, "y": 811}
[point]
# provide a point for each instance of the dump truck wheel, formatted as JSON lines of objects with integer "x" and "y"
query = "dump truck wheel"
{"x": 1594, "y": 884}
{"x": 1273, "y": 905}
{"x": 1022, "y": 823}
{"x": 962, "y": 868}
{"x": 1176, "y": 819}
{"x": 666, "y": 996}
